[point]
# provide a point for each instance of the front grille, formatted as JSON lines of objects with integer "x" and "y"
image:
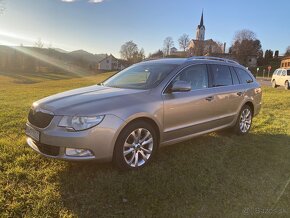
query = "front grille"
{"x": 39, "y": 118}
{"x": 48, "y": 149}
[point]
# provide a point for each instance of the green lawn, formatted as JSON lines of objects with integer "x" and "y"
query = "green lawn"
{"x": 216, "y": 175}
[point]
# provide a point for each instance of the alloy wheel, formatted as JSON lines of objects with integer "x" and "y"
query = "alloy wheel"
{"x": 245, "y": 120}
{"x": 138, "y": 147}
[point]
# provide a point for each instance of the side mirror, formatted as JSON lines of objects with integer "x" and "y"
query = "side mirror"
{"x": 180, "y": 86}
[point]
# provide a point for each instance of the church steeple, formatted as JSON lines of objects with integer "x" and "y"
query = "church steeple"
{"x": 201, "y": 21}
{"x": 200, "y": 31}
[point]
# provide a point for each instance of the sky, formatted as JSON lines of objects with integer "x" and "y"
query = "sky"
{"x": 102, "y": 26}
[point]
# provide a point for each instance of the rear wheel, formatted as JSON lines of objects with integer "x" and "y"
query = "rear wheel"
{"x": 244, "y": 121}
{"x": 274, "y": 84}
{"x": 287, "y": 85}
{"x": 135, "y": 146}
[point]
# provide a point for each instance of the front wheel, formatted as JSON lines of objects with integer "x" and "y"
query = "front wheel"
{"x": 287, "y": 85}
{"x": 135, "y": 146}
{"x": 244, "y": 121}
{"x": 274, "y": 84}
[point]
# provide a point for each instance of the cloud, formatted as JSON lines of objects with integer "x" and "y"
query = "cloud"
{"x": 68, "y": 0}
{"x": 95, "y": 1}
{"x": 90, "y": 1}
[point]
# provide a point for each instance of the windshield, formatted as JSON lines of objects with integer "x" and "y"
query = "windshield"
{"x": 141, "y": 76}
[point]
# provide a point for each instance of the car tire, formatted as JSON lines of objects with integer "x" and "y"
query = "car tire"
{"x": 244, "y": 121}
{"x": 135, "y": 146}
{"x": 274, "y": 84}
{"x": 287, "y": 85}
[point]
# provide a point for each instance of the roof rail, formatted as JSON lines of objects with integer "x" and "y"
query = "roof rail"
{"x": 212, "y": 59}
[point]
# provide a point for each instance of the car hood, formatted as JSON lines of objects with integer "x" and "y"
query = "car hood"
{"x": 87, "y": 101}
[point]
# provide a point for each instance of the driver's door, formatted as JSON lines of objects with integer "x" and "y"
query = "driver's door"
{"x": 189, "y": 112}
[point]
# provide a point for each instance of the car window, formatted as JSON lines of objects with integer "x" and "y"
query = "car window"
{"x": 221, "y": 75}
{"x": 275, "y": 73}
{"x": 284, "y": 73}
{"x": 196, "y": 75}
{"x": 244, "y": 76}
{"x": 140, "y": 76}
{"x": 288, "y": 72}
{"x": 279, "y": 73}
{"x": 235, "y": 77}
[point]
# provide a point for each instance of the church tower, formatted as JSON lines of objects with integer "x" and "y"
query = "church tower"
{"x": 200, "y": 31}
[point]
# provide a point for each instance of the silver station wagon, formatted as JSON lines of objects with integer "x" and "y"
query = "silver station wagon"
{"x": 150, "y": 104}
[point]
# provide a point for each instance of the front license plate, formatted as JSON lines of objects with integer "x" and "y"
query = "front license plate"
{"x": 32, "y": 133}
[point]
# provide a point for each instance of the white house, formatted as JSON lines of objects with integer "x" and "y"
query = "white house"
{"x": 111, "y": 63}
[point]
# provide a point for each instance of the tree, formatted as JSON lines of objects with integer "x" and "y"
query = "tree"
{"x": 184, "y": 42}
{"x": 244, "y": 35}
{"x": 276, "y": 55}
{"x": 157, "y": 54}
{"x": 245, "y": 44}
{"x": 287, "y": 51}
{"x": 167, "y": 45}
{"x": 268, "y": 56}
{"x": 130, "y": 52}
{"x": 138, "y": 56}
{"x": 39, "y": 43}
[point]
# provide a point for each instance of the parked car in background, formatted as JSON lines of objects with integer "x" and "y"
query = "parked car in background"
{"x": 281, "y": 77}
{"x": 156, "y": 102}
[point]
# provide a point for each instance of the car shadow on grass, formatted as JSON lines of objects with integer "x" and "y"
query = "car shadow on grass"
{"x": 212, "y": 175}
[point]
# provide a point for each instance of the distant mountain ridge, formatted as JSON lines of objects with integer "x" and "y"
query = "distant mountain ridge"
{"x": 87, "y": 56}
{"x": 23, "y": 57}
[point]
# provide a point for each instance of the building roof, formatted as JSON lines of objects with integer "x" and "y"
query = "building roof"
{"x": 108, "y": 57}
{"x": 286, "y": 57}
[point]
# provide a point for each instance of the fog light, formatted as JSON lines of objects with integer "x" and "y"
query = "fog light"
{"x": 78, "y": 152}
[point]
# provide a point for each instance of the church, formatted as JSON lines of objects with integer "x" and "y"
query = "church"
{"x": 200, "y": 46}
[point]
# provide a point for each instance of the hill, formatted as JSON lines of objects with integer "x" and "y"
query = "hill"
{"x": 21, "y": 58}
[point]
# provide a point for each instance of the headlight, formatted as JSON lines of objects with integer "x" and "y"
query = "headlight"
{"x": 80, "y": 123}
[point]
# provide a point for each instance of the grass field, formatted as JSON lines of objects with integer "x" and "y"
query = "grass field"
{"x": 216, "y": 175}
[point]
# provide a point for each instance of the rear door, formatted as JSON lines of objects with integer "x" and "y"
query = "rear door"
{"x": 228, "y": 92}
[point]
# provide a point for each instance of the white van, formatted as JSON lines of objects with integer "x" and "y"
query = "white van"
{"x": 281, "y": 77}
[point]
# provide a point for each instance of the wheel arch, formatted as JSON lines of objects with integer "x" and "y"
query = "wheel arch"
{"x": 152, "y": 122}
{"x": 251, "y": 105}
{"x": 145, "y": 118}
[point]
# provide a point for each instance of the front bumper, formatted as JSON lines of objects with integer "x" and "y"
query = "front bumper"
{"x": 100, "y": 140}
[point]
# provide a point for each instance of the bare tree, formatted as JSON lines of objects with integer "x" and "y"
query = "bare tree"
{"x": 128, "y": 50}
{"x": 167, "y": 45}
{"x": 157, "y": 54}
{"x": 244, "y": 34}
{"x": 245, "y": 44}
{"x": 184, "y": 41}
{"x": 39, "y": 43}
{"x": 141, "y": 54}
{"x": 287, "y": 51}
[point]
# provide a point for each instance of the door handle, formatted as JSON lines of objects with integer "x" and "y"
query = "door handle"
{"x": 240, "y": 93}
{"x": 210, "y": 98}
